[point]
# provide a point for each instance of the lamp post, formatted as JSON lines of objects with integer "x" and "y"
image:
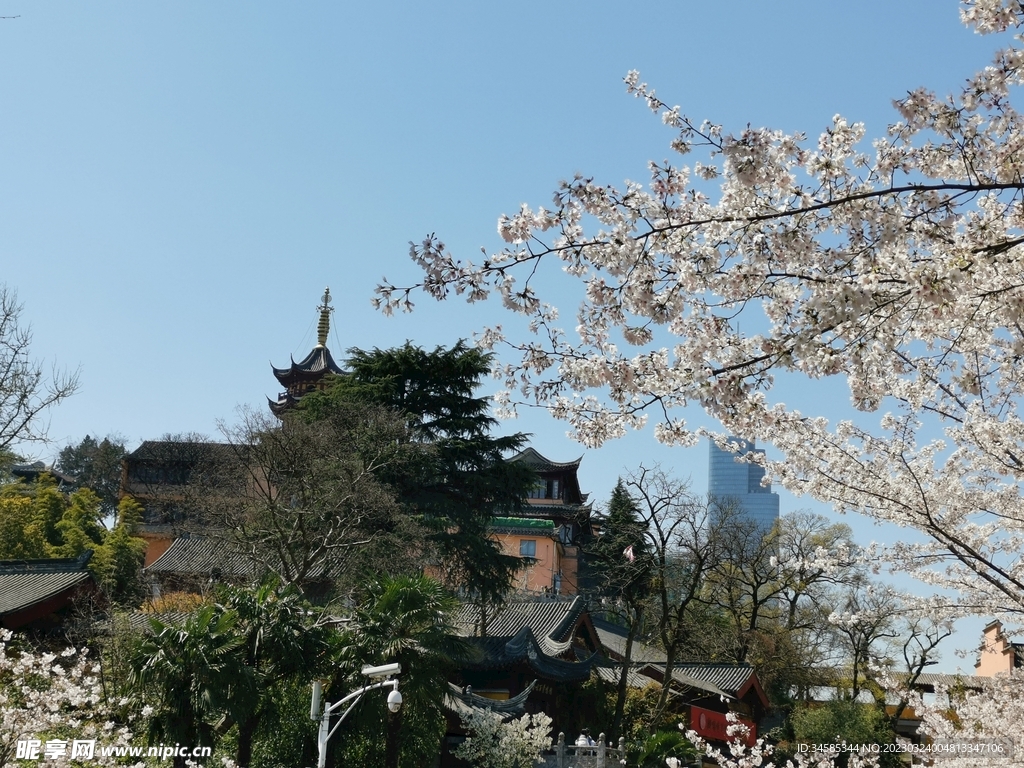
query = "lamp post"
{"x": 394, "y": 701}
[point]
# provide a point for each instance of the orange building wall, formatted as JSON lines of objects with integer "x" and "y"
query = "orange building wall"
{"x": 997, "y": 654}
{"x": 539, "y": 577}
{"x": 156, "y": 545}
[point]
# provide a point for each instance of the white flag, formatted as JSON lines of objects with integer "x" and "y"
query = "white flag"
{"x": 628, "y": 552}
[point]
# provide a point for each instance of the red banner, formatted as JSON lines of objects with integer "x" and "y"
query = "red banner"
{"x": 712, "y": 725}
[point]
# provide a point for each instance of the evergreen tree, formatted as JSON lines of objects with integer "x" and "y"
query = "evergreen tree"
{"x": 462, "y": 478}
{"x": 622, "y": 559}
{"x": 96, "y": 465}
{"x": 620, "y": 554}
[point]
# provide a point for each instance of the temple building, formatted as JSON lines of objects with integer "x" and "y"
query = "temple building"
{"x": 550, "y": 530}
{"x": 313, "y": 371}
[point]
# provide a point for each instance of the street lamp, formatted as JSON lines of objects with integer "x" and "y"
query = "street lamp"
{"x": 383, "y": 674}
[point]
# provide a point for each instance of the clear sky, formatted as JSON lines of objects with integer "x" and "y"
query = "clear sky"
{"x": 179, "y": 181}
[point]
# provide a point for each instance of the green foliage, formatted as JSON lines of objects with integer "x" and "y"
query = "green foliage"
{"x": 117, "y": 562}
{"x": 79, "y": 526}
{"x": 620, "y": 555}
{"x": 407, "y": 620}
{"x": 38, "y": 521}
{"x": 96, "y": 465}
{"x": 282, "y": 646}
{"x": 641, "y": 716}
{"x": 286, "y": 735}
{"x": 49, "y": 506}
{"x": 460, "y": 479}
{"x": 313, "y": 507}
{"x": 190, "y": 675}
{"x": 21, "y": 533}
{"x": 842, "y": 720}
{"x": 651, "y": 751}
{"x": 228, "y": 674}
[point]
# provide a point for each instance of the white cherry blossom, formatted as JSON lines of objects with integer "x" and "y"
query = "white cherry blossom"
{"x": 896, "y": 264}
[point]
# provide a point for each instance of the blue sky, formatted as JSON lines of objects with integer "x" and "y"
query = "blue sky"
{"x": 181, "y": 180}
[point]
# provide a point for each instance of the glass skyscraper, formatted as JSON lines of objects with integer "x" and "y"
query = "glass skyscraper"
{"x": 739, "y": 482}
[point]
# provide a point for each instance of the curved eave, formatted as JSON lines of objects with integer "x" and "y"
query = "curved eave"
{"x": 541, "y": 463}
{"x": 319, "y": 362}
{"x": 282, "y": 404}
{"x": 523, "y": 648}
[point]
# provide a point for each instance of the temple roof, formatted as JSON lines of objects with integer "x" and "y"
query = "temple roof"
{"x": 31, "y": 472}
{"x": 523, "y": 647}
{"x": 521, "y": 525}
{"x": 613, "y": 639}
{"x": 317, "y": 364}
{"x": 534, "y": 459}
{"x": 196, "y": 556}
{"x": 552, "y": 620}
{"x": 463, "y": 702}
{"x": 25, "y": 584}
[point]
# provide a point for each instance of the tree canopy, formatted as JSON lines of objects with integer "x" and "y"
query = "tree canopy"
{"x": 304, "y": 499}
{"x": 460, "y": 478}
{"x": 96, "y": 465}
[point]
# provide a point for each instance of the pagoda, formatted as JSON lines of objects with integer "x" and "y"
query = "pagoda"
{"x": 312, "y": 372}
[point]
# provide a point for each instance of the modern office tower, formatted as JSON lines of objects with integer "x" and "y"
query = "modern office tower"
{"x": 740, "y": 483}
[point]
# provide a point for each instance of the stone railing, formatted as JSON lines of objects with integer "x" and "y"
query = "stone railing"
{"x": 599, "y": 755}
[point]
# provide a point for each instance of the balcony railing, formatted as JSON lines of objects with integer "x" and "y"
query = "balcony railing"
{"x": 599, "y": 755}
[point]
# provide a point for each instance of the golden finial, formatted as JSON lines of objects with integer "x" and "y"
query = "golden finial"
{"x": 324, "y": 326}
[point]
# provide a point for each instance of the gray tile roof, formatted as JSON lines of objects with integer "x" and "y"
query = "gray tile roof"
{"x": 193, "y": 555}
{"x": 634, "y": 679}
{"x": 535, "y": 632}
{"x": 931, "y": 679}
{"x": 551, "y": 620}
{"x": 523, "y": 648}
{"x": 462, "y": 701}
{"x": 197, "y": 556}
{"x": 534, "y": 459}
{"x": 318, "y": 362}
{"x": 613, "y": 638}
{"x": 729, "y": 678}
{"x": 24, "y": 583}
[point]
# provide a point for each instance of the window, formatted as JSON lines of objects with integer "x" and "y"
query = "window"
{"x": 528, "y": 548}
{"x": 550, "y": 488}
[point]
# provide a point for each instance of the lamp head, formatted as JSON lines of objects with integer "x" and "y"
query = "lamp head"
{"x": 394, "y": 700}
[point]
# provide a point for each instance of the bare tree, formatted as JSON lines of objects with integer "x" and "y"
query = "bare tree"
{"x": 774, "y": 590}
{"x": 26, "y": 392}
{"x": 304, "y": 499}
{"x": 683, "y": 539}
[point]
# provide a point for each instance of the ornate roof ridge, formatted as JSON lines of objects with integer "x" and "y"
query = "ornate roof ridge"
{"x": 534, "y": 457}
{"x": 48, "y": 564}
{"x": 319, "y": 362}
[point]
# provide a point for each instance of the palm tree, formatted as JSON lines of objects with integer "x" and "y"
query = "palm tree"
{"x": 408, "y": 620}
{"x": 281, "y": 642}
{"x": 191, "y": 674}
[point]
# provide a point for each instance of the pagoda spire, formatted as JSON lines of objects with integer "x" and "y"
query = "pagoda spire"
{"x": 324, "y": 326}
{"x": 311, "y": 373}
